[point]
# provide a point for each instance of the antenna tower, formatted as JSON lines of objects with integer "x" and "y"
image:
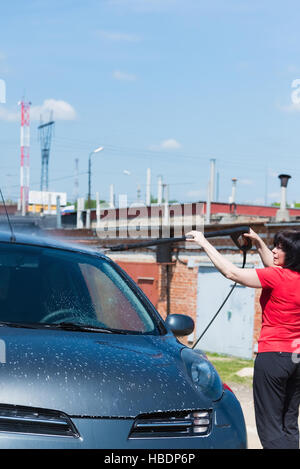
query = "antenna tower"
{"x": 45, "y": 137}
{"x": 25, "y": 145}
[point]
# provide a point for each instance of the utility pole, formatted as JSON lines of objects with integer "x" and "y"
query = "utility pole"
{"x": 148, "y": 188}
{"x": 25, "y": 145}
{"x": 233, "y": 191}
{"x": 76, "y": 180}
{"x": 282, "y": 213}
{"x": 212, "y": 179}
{"x": 218, "y": 187}
{"x": 111, "y": 196}
{"x": 90, "y": 174}
{"x": 208, "y": 204}
{"x": 45, "y": 136}
{"x": 166, "y": 204}
{"x": 159, "y": 190}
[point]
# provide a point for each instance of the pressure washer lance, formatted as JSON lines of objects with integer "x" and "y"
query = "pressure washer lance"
{"x": 235, "y": 233}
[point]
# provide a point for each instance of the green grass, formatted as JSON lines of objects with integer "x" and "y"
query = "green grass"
{"x": 227, "y": 366}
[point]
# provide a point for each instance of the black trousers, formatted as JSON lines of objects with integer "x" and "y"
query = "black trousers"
{"x": 276, "y": 391}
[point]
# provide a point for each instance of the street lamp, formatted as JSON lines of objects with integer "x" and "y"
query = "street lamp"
{"x": 90, "y": 173}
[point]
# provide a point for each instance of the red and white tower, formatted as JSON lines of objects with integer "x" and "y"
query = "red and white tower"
{"x": 25, "y": 145}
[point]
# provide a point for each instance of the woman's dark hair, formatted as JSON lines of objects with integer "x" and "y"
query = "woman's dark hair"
{"x": 289, "y": 242}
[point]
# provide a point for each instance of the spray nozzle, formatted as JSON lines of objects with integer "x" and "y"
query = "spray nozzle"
{"x": 235, "y": 233}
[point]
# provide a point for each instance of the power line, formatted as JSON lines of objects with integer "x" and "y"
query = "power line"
{"x": 74, "y": 143}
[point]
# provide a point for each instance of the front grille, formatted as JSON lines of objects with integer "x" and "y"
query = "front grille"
{"x": 17, "y": 419}
{"x": 196, "y": 423}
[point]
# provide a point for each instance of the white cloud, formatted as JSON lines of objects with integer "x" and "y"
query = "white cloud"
{"x": 116, "y": 36}
{"x": 291, "y": 108}
{"x": 2, "y": 91}
{"x": 169, "y": 144}
{"x": 61, "y": 111}
{"x": 121, "y": 76}
{"x": 295, "y": 98}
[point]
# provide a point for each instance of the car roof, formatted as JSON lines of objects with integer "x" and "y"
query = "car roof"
{"x": 44, "y": 240}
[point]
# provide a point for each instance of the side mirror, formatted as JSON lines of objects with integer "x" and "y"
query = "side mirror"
{"x": 180, "y": 324}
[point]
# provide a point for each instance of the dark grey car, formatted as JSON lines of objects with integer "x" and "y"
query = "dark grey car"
{"x": 87, "y": 362}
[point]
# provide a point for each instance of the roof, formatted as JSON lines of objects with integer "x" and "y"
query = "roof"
{"x": 41, "y": 240}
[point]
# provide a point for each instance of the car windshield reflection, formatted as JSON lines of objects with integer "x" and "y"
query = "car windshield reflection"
{"x": 44, "y": 286}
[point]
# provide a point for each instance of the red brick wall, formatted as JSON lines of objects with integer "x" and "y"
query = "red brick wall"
{"x": 183, "y": 291}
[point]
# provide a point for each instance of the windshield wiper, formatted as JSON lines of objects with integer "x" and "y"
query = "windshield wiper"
{"x": 20, "y": 324}
{"x": 67, "y": 326}
{"x": 72, "y": 326}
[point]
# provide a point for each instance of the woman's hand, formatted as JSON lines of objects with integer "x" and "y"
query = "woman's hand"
{"x": 253, "y": 236}
{"x": 262, "y": 249}
{"x": 196, "y": 236}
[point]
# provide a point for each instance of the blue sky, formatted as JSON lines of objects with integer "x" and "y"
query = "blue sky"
{"x": 164, "y": 84}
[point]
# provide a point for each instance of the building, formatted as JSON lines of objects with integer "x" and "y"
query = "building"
{"x": 45, "y": 202}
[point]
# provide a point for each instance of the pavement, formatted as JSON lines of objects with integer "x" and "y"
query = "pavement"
{"x": 245, "y": 396}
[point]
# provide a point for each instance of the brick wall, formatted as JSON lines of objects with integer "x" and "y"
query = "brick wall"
{"x": 183, "y": 291}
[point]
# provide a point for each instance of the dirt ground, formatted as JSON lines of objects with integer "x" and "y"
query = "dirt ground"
{"x": 244, "y": 395}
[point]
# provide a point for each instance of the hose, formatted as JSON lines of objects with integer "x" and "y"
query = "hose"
{"x": 220, "y": 308}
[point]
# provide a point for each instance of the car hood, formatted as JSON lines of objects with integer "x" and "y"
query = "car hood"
{"x": 94, "y": 374}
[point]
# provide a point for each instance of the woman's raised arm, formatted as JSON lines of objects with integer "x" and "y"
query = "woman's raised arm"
{"x": 262, "y": 249}
{"x": 247, "y": 277}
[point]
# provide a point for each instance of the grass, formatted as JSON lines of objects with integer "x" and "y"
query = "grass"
{"x": 227, "y": 366}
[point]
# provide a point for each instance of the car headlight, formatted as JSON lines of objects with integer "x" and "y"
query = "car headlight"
{"x": 202, "y": 373}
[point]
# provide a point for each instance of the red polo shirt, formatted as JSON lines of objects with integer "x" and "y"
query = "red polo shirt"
{"x": 280, "y": 302}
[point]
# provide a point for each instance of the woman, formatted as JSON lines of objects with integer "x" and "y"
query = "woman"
{"x": 276, "y": 381}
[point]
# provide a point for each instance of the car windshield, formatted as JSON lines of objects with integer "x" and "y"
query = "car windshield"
{"x": 50, "y": 286}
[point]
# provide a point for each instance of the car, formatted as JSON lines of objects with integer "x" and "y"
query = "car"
{"x": 86, "y": 361}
